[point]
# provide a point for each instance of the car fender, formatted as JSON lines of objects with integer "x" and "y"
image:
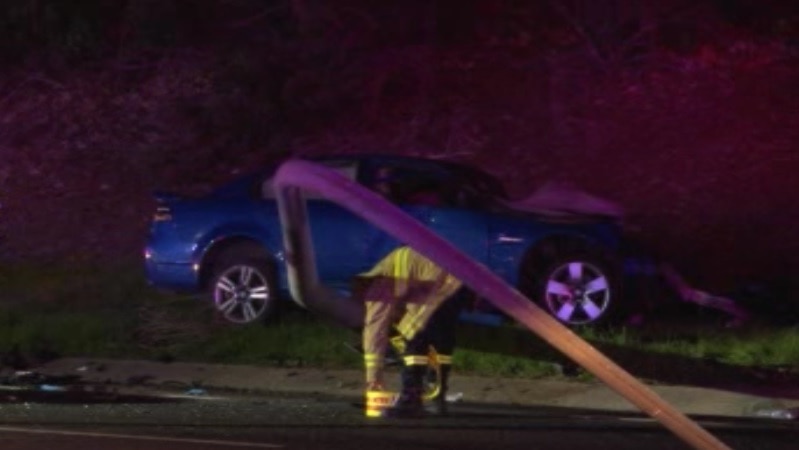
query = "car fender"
{"x": 235, "y": 232}
{"x": 511, "y": 243}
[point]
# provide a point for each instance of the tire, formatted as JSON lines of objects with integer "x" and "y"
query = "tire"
{"x": 242, "y": 286}
{"x": 579, "y": 289}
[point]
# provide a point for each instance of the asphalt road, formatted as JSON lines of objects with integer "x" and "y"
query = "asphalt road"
{"x": 309, "y": 422}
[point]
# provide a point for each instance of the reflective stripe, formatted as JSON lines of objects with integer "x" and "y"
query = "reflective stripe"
{"x": 401, "y": 264}
{"x": 407, "y": 330}
{"x": 414, "y": 360}
{"x": 401, "y": 271}
{"x": 399, "y": 344}
{"x": 444, "y": 359}
{"x": 379, "y": 402}
{"x": 372, "y": 359}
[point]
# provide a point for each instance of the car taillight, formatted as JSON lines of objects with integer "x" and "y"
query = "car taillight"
{"x": 162, "y": 214}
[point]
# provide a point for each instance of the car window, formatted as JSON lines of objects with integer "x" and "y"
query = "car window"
{"x": 424, "y": 188}
{"x": 473, "y": 194}
{"x": 344, "y": 167}
{"x": 408, "y": 185}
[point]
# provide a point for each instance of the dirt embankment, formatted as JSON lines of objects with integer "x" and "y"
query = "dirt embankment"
{"x": 703, "y": 156}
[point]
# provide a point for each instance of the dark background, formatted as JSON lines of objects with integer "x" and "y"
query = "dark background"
{"x": 685, "y": 112}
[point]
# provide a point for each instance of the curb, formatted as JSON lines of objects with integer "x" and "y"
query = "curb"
{"x": 199, "y": 380}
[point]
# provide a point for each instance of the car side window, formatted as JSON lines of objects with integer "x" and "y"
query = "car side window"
{"x": 347, "y": 168}
{"x": 424, "y": 189}
{"x": 468, "y": 196}
{"x": 410, "y": 186}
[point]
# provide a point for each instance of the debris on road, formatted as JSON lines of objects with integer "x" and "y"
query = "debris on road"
{"x": 777, "y": 413}
{"x": 196, "y": 391}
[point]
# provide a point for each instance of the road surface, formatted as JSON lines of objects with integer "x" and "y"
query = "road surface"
{"x": 315, "y": 422}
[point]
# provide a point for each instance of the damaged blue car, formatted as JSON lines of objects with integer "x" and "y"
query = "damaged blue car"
{"x": 228, "y": 243}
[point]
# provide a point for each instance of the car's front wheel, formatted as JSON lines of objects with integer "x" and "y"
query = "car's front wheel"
{"x": 242, "y": 289}
{"x": 579, "y": 292}
{"x": 577, "y": 288}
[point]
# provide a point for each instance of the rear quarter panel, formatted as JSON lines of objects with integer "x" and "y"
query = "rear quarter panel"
{"x": 197, "y": 226}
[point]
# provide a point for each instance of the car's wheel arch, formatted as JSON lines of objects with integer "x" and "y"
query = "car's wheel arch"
{"x": 248, "y": 246}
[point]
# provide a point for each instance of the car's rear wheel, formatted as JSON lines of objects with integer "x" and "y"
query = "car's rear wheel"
{"x": 578, "y": 288}
{"x": 242, "y": 287}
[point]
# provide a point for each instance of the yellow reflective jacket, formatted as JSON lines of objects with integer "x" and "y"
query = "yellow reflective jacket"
{"x": 413, "y": 280}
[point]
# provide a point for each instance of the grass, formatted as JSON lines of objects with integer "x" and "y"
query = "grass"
{"x": 755, "y": 345}
{"x": 110, "y": 312}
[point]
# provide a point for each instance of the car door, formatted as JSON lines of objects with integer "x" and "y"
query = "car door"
{"x": 465, "y": 229}
{"x": 344, "y": 244}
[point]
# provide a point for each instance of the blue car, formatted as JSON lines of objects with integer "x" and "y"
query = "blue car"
{"x": 228, "y": 243}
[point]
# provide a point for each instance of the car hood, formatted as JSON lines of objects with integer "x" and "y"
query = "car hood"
{"x": 564, "y": 201}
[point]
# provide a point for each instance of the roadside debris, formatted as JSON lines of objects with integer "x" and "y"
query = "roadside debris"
{"x": 91, "y": 367}
{"x": 779, "y": 413}
{"x": 52, "y": 388}
{"x": 690, "y": 294}
{"x": 29, "y": 378}
{"x": 197, "y": 391}
{"x": 33, "y": 387}
{"x": 454, "y": 397}
{"x": 650, "y": 277}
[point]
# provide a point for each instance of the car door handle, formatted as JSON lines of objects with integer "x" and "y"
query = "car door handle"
{"x": 504, "y": 239}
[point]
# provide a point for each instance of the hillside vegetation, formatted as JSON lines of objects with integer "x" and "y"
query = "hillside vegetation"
{"x": 684, "y": 112}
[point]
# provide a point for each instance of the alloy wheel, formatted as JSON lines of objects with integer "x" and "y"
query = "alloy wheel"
{"x": 577, "y": 293}
{"x": 242, "y": 294}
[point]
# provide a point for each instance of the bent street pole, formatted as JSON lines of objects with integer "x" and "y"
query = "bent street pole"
{"x": 294, "y": 176}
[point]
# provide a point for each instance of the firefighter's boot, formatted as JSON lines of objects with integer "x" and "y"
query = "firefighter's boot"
{"x": 409, "y": 403}
{"x": 438, "y": 404}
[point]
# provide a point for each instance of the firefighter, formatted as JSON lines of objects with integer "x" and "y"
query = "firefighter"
{"x": 403, "y": 291}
